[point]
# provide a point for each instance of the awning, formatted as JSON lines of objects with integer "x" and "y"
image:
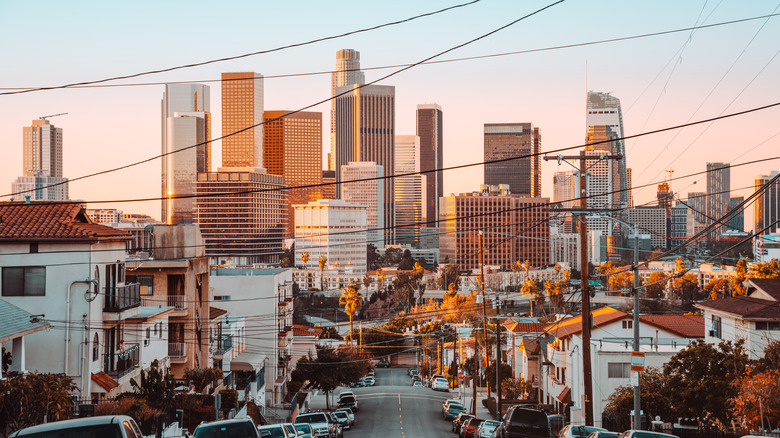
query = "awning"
{"x": 565, "y": 395}
{"x": 247, "y": 361}
{"x": 104, "y": 381}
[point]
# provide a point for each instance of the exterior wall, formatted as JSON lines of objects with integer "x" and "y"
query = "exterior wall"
{"x": 766, "y": 210}
{"x": 347, "y": 73}
{"x": 335, "y": 229}
{"x": 650, "y": 220}
{"x": 242, "y": 106}
{"x": 565, "y": 248}
{"x": 410, "y": 190}
{"x": 604, "y": 109}
{"x": 41, "y": 188}
{"x": 733, "y": 329}
{"x": 369, "y": 193}
{"x": 506, "y": 140}
{"x": 430, "y": 130}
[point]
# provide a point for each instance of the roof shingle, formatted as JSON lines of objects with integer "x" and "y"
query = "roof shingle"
{"x": 41, "y": 220}
{"x": 745, "y": 307}
{"x": 687, "y": 326}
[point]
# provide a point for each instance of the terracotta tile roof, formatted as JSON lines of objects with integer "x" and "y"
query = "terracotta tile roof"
{"x": 215, "y": 312}
{"x": 687, "y": 326}
{"x": 770, "y": 286}
{"x": 745, "y": 307}
{"x": 41, "y": 220}
{"x": 104, "y": 380}
{"x": 521, "y": 327}
{"x": 532, "y": 346}
{"x": 303, "y": 330}
{"x": 573, "y": 325}
{"x": 565, "y": 395}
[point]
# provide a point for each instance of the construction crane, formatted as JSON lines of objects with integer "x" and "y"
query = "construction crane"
{"x": 50, "y": 116}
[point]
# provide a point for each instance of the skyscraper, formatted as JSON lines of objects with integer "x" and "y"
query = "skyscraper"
{"x": 430, "y": 130}
{"x": 242, "y": 107}
{"x": 602, "y": 181}
{"x": 347, "y": 73}
{"x": 507, "y": 140}
{"x": 604, "y": 109}
{"x": 410, "y": 190}
{"x": 42, "y": 163}
{"x": 365, "y": 131}
{"x": 186, "y": 122}
{"x": 767, "y": 207}
{"x": 293, "y": 149}
{"x": 367, "y": 190}
{"x": 718, "y": 192}
{"x": 737, "y": 220}
{"x": 564, "y": 193}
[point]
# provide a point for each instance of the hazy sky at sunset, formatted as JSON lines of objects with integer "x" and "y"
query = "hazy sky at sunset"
{"x": 661, "y": 80}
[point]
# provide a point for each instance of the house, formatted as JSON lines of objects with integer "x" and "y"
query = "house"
{"x": 754, "y": 317}
{"x": 69, "y": 272}
{"x": 523, "y": 346}
{"x": 175, "y": 274}
{"x": 305, "y": 342}
{"x": 15, "y": 325}
{"x": 660, "y": 336}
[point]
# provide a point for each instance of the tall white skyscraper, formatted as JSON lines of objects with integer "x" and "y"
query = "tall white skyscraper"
{"x": 370, "y": 193}
{"x": 604, "y": 109}
{"x": 410, "y": 190}
{"x": 186, "y": 122}
{"x": 347, "y": 73}
{"x": 42, "y": 163}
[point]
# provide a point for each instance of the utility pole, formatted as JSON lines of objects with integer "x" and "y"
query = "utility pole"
{"x": 484, "y": 306}
{"x": 498, "y": 359}
{"x": 587, "y": 371}
{"x": 637, "y": 404}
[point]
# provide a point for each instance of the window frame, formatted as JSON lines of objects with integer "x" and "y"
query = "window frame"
{"x": 14, "y": 289}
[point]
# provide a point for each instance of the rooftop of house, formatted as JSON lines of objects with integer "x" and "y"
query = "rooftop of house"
{"x": 742, "y": 307}
{"x": 687, "y": 326}
{"x": 303, "y": 330}
{"x": 573, "y": 325}
{"x": 16, "y": 322}
{"x": 47, "y": 220}
{"x": 769, "y": 286}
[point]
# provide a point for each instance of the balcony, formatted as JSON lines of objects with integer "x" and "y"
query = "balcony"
{"x": 178, "y": 302}
{"x": 122, "y": 363}
{"x": 177, "y": 350}
{"x": 120, "y": 298}
{"x": 224, "y": 344}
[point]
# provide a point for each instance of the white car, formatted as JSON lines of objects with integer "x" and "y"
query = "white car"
{"x": 440, "y": 384}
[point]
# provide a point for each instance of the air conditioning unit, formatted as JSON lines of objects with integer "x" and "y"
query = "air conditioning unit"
{"x": 147, "y": 342}
{"x": 712, "y": 334}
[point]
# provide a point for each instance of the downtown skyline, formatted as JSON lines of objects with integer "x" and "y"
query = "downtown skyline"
{"x": 547, "y": 89}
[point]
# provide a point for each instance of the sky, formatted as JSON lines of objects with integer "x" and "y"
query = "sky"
{"x": 662, "y": 81}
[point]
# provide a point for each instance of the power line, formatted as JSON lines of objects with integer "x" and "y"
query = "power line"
{"x": 246, "y": 55}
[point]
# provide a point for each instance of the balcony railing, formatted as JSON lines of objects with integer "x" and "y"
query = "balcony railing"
{"x": 119, "y": 298}
{"x": 178, "y": 302}
{"x": 224, "y": 344}
{"x": 177, "y": 349}
{"x": 123, "y": 361}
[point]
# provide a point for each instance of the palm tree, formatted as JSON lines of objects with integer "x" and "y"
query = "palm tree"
{"x": 532, "y": 290}
{"x": 381, "y": 274}
{"x": 323, "y": 261}
{"x": 351, "y": 300}
{"x": 305, "y": 259}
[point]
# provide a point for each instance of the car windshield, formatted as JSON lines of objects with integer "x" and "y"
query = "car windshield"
{"x": 98, "y": 431}
{"x": 347, "y": 399}
{"x": 275, "y": 432}
{"x": 227, "y": 430}
{"x": 340, "y": 414}
{"x": 303, "y": 428}
{"x": 312, "y": 418}
{"x": 489, "y": 425}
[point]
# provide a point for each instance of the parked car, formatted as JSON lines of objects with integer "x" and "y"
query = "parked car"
{"x": 556, "y": 422}
{"x": 228, "y": 428}
{"x": 606, "y": 434}
{"x": 120, "y": 426}
{"x": 452, "y": 410}
{"x": 457, "y": 423}
{"x": 348, "y": 401}
{"x": 433, "y": 377}
{"x": 524, "y": 422}
{"x": 305, "y": 430}
{"x": 417, "y": 384}
{"x": 336, "y": 425}
{"x": 319, "y": 422}
{"x": 342, "y": 418}
{"x": 349, "y": 413}
{"x": 447, "y": 402}
{"x": 369, "y": 381}
{"x": 440, "y": 384}
{"x": 267, "y": 431}
{"x": 578, "y": 431}
{"x": 382, "y": 364}
{"x": 644, "y": 434}
{"x": 469, "y": 427}
{"x": 485, "y": 430}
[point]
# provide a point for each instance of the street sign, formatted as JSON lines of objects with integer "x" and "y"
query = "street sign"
{"x": 461, "y": 375}
{"x": 634, "y": 378}
{"x": 637, "y": 361}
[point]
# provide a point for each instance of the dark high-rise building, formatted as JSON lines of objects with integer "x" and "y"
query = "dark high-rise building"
{"x": 429, "y": 129}
{"x": 737, "y": 220}
{"x": 507, "y": 140}
{"x": 365, "y": 131}
{"x": 718, "y": 193}
{"x": 767, "y": 206}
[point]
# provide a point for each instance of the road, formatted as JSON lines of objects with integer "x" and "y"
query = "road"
{"x": 395, "y": 409}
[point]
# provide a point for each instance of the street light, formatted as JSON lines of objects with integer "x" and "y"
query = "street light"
{"x": 635, "y": 267}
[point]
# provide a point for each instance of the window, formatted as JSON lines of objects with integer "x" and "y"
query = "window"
{"x": 148, "y": 332}
{"x": 145, "y": 281}
{"x": 95, "y": 347}
{"x": 628, "y": 324}
{"x": 768, "y": 325}
{"x": 618, "y": 370}
{"x": 716, "y": 327}
{"x": 26, "y": 281}
{"x": 33, "y": 247}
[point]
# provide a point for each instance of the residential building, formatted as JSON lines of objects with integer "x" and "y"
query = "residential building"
{"x": 682, "y": 224}
{"x": 42, "y": 164}
{"x": 564, "y": 191}
{"x": 753, "y": 317}
{"x": 60, "y": 266}
{"x": 498, "y": 213}
{"x": 362, "y": 183}
{"x": 524, "y": 345}
{"x": 517, "y": 146}
{"x": 242, "y": 213}
{"x": 305, "y": 342}
{"x": 242, "y": 108}
{"x": 186, "y": 150}
{"x": 603, "y": 109}
{"x": 293, "y": 149}
{"x": 766, "y": 210}
{"x": 766, "y": 247}
{"x": 365, "y": 131}
{"x": 650, "y": 220}
{"x": 176, "y": 275}
{"x": 15, "y": 325}
{"x": 263, "y": 298}
{"x": 737, "y": 219}
{"x": 105, "y": 215}
{"x": 410, "y": 190}
{"x": 565, "y": 248}
{"x": 430, "y": 129}
{"x": 697, "y": 202}
{"x": 330, "y": 280}
{"x": 332, "y": 228}
{"x": 347, "y": 73}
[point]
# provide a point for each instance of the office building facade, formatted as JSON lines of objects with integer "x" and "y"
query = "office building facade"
{"x": 504, "y": 141}
{"x": 41, "y": 178}
{"x": 682, "y": 225}
{"x": 335, "y": 229}
{"x": 368, "y": 189}
{"x": 650, "y": 220}
{"x": 410, "y": 190}
{"x": 604, "y": 109}
{"x": 242, "y": 107}
{"x": 766, "y": 210}
{"x": 430, "y": 129}
{"x": 737, "y": 219}
{"x": 718, "y": 193}
{"x": 347, "y": 73}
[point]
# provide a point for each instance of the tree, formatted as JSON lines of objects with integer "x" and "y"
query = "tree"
{"x": 351, "y": 300}
{"x": 330, "y": 332}
{"x": 329, "y": 369}
{"x": 490, "y": 375}
{"x": 701, "y": 379}
{"x": 417, "y": 275}
{"x": 200, "y": 378}
{"x": 514, "y": 389}
{"x": 769, "y": 269}
{"x": 305, "y": 258}
{"x": 739, "y": 277}
{"x": 718, "y": 288}
{"x": 407, "y": 261}
{"x": 366, "y": 281}
{"x": 372, "y": 258}
{"x": 322, "y": 261}
{"x": 531, "y": 289}
{"x": 758, "y": 401}
{"x": 652, "y": 389}
{"x": 381, "y": 274}
{"x": 448, "y": 274}
{"x": 403, "y": 289}
{"x": 655, "y": 289}
{"x": 34, "y": 398}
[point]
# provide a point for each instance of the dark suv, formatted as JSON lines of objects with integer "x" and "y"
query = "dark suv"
{"x": 523, "y": 422}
